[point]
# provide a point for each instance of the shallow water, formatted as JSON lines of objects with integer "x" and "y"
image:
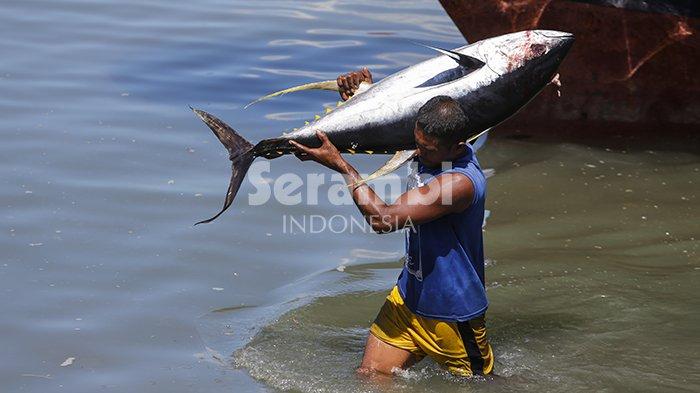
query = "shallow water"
{"x": 593, "y": 252}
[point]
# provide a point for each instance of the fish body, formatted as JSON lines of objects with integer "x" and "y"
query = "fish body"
{"x": 491, "y": 79}
{"x": 381, "y": 119}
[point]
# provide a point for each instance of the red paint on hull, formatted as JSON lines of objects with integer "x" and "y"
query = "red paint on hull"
{"x": 628, "y": 72}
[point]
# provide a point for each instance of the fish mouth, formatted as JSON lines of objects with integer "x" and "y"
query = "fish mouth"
{"x": 559, "y": 41}
{"x": 563, "y": 46}
{"x": 555, "y": 34}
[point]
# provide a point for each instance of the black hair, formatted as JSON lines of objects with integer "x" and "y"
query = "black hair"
{"x": 443, "y": 118}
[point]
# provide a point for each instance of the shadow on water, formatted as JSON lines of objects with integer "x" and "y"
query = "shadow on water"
{"x": 610, "y": 135}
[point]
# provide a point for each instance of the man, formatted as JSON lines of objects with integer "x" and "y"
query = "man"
{"x": 437, "y": 307}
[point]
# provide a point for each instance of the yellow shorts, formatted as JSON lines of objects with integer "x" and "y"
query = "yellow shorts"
{"x": 461, "y": 347}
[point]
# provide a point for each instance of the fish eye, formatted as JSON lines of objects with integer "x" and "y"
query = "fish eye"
{"x": 537, "y": 49}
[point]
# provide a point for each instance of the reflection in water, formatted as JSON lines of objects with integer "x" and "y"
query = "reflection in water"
{"x": 288, "y": 116}
{"x": 311, "y": 75}
{"x": 269, "y": 10}
{"x": 316, "y": 44}
{"x": 275, "y": 57}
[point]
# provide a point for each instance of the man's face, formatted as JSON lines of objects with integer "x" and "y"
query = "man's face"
{"x": 431, "y": 151}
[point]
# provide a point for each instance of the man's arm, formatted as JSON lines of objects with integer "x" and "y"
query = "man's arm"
{"x": 448, "y": 193}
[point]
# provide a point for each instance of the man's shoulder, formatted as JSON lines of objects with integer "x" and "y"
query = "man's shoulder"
{"x": 459, "y": 186}
{"x": 472, "y": 174}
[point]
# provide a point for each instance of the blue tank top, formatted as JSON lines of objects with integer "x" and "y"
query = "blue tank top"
{"x": 443, "y": 275}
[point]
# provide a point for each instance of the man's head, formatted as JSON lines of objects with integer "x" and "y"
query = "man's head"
{"x": 440, "y": 130}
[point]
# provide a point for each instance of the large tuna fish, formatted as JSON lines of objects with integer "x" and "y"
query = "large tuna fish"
{"x": 492, "y": 79}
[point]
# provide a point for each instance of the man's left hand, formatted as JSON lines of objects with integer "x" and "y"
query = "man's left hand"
{"x": 326, "y": 154}
{"x": 350, "y": 82}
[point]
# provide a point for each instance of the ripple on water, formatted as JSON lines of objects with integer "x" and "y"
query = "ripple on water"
{"x": 314, "y": 349}
{"x": 315, "y": 43}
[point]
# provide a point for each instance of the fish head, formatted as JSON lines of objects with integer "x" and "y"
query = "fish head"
{"x": 517, "y": 66}
{"x": 531, "y": 52}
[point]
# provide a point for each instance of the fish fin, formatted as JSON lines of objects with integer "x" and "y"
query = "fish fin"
{"x": 239, "y": 167}
{"x": 234, "y": 143}
{"x": 403, "y": 156}
{"x": 323, "y": 85}
{"x": 394, "y": 163}
{"x": 462, "y": 59}
{"x": 240, "y": 153}
{"x": 479, "y": 140}
{"x": 487, "y": 214}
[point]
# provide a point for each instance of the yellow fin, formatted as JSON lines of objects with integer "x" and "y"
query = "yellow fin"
{"x": 394, "y": 163}
{"x": 316, "y": 117}
{"x": 351, "y": 151}
{"x": 328, "y": 110}
{"x": 323, "y": 85}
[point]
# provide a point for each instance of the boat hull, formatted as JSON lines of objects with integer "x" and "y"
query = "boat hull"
{"x": 630, "y": 71}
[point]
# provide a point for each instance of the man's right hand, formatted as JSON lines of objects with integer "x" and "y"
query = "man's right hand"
{"x": 350, "y": 82}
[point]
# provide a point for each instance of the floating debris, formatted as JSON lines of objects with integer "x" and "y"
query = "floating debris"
{"x": 68, "y": 362}
{"x": 47, "y": 376}
{"x": 557, "y": 82}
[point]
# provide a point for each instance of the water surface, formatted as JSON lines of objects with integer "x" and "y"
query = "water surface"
{"x": 592, "y": 251}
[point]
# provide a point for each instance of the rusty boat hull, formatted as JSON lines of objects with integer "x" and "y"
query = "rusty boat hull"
{"x": 632, "y": 72}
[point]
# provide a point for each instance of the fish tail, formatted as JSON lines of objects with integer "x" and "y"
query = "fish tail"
{"x": 241, "y": 154}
